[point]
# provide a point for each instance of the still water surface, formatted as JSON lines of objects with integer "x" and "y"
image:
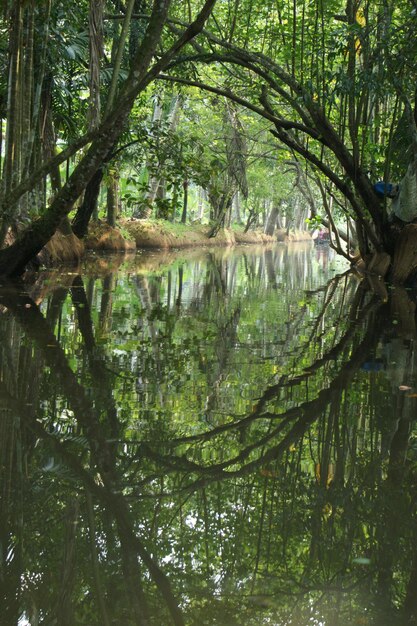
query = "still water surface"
{"x": 208, "y": 438}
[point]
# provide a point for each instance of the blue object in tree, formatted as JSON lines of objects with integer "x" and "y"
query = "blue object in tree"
{"x": 386, "y": 189}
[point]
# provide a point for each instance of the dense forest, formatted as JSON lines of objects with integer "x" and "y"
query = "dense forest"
{"x": 225, "y": 112}
{"x": 221, "y": 436}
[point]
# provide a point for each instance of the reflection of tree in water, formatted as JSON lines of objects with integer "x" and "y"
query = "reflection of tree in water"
{"x": 299, "y": 506}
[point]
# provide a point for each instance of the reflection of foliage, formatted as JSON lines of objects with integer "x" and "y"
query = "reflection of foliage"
{"x": 213, "y": 419}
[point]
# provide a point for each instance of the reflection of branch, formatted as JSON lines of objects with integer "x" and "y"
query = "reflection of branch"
{"x": 82, "y": 308}
{"x": 329, "y": 293}
{"x": 225, "y": 342}
{"x": 36, "y": 327}
{"x": 115, "y": 503}
{"x": 309, "y": 411}
{"x": 176, "y": 463}
{"x": 306, "y": 413}
{"x": 99, "y": 373}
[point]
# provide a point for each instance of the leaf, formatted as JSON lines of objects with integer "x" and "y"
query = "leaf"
{"x": 70, "y": 50}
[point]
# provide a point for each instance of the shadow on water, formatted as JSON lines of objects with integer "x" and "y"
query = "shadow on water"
{"x": 222, "y": 440}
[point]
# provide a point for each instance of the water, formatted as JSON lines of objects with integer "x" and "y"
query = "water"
{"x": 208, "y": 438}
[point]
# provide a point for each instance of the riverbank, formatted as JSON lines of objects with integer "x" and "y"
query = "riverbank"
{"x": 163, "y": 234}
{"x": 134, "y": 234}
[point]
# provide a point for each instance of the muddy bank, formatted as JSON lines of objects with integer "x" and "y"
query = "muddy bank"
{"x": 161, "y": 234}
{"x": 68, "y": 249}
{"x": 156, "y": 234}
{"x": 61, "y": 248}
{"x": 101, "y": 236}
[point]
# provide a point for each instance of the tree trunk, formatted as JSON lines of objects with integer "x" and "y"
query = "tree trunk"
{"x": 95, "y": 28}
{"x": 200, "y": 211}
{"x": 157, "y": 183}
{"x": 92, "y": 192}
{"x": 223, "y": 206}
{"x": 271, "y": 221}
{"x": 112, "y": 199}
{"x": 117, "y": 54}
{"x": 405, "y": 256}
{"x": 236, "y": 207}
{"x": 154, "y": 180}
{"x": 12, "y": 147}
{"x": 89, "y": 203}
{"x": 185, "y": 203}
{"x": 251, "y": 220}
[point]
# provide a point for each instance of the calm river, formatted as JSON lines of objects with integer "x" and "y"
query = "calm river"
{"x": 215, "y": 438}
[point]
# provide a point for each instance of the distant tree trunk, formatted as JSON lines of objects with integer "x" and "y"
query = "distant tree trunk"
{"x": 160, "y": 195}
{"x": 271, "y": 220}
{"x": 185, "y": 202}
{"x": 295, "y": 213}
{"x": 251, "y": 219}
{"x": 264, "y": 212}
{"x": 157, "y": 184}
{"x": 228, "y": 215}
{"x": 112, "y": 198}
{"x": 236, "y": 207}
{"x": 154, "y": 180}
{"x": 200, "y": 211}
{"x": 302, "y": 216}
{"x": 224, "y": 205}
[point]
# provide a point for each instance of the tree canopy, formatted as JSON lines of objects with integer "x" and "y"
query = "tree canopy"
{"x": 91, "y": 91}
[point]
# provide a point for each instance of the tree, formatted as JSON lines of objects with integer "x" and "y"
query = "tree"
{"x": 333, "y": 100}
{"x": 14, "y": 259}
{"x": 342, "y": 100}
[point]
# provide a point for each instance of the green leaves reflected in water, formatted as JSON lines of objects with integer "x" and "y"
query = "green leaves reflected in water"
{"x": 216, "y": 440}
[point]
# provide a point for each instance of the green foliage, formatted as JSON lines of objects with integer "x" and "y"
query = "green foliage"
{"x": 225, "y": 415}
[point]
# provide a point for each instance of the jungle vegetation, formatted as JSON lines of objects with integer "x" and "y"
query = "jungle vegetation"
{"x": 219, "y": 110}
